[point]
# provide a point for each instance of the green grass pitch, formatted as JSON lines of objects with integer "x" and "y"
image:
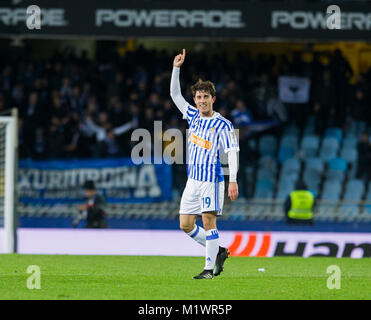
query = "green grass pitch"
{"x": 170, "y": 278}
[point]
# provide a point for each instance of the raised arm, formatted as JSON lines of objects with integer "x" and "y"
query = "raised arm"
{"x": 126, "y": 126}
{"x": 89, "y": 128}
{"x": 175, "y": 91}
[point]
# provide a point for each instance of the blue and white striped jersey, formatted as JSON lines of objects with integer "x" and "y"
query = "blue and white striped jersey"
{"x": 205, "y": 137}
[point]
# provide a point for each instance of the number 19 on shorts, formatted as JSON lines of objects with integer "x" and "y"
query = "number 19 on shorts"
{"x": 206, "y": 201}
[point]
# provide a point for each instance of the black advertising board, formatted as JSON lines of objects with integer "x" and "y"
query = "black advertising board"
{"x": 192, "y": 19}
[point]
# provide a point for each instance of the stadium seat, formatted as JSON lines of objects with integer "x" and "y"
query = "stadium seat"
{"x": 336, "y": 133}
{"x": 313, "y": 172}
{"x": 354, "y": 190}
{"x": 286, "y": 152}
{"x": 330, "y": 143}
{"x": 313, "y": 187}
{"x": 284, "y": 188}
{"x": 349, "y": 154}
{"x": 331, "y": 188}
{"x": 291, "y": 165}
{"x": 267, "y": 145}
{"x": 286, "y": 182}
{"x": 265, "y": 185}
{"x": 264, "y": 194}
{"x": 350, "y": 142}
{"x": 337, "y": 164}
{"x": 309, "y": 146}
{"x": 353, "y": 196}
{"x": 327, "y": 154}
{"x": 312, "y": 176}
{"x": 266, "y": 174}
{"x": 282, "y": 194}
{"x": 335, "y": 176}
{"x": 355, "y": 186}
{"x": 329, "y": 149}
{"x": 268, "y": 162}
{"x": 337, "y": 169}
{"x": 288, "y": 178}
{"x": 315, "y": 164}
{"x": 356, "y": 128}
{"x": 290, "y": 141}
{"x": 290, "y": 170}
{"x": 330, "y": 196}
{"x": 264, "y": 189}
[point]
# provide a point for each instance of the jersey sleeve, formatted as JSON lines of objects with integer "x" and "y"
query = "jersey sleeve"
{"x": 191, "y": 112}
{"x": 176, "y": 93}
{"x": 228, "y": 138}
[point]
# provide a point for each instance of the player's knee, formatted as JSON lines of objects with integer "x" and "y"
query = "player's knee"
{"x": 186, "y": 227}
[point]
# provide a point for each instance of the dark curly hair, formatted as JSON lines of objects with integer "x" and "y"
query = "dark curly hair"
{"x": 206, "y": 86}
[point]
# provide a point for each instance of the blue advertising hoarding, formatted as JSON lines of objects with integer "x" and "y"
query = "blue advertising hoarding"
{"x": 119, "y": 180}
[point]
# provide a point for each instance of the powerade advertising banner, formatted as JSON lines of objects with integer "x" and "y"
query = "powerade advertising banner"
{"x": 168, "y": 242}
{"x": 119, "y": 180}
{"x": 187, "y": 19}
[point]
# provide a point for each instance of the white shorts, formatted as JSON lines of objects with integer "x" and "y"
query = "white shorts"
{"x": 202, "y": 196}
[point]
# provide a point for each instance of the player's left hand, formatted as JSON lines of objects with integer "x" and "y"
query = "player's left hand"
{"x": 233, "y": 191}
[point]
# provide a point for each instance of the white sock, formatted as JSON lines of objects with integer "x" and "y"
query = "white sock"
{"x": 212, "y": 248}
{"x": 198, "y": 234}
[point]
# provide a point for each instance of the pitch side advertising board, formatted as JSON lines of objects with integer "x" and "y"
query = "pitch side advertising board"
{"x": 186, "y": 19}
{"x": 59, "y": 182}
{"x": 168, "y": 242}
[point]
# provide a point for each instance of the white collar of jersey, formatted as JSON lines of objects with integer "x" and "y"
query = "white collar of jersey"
{"x": 215, "y": 114}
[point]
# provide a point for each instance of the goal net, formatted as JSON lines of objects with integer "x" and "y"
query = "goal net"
{"x": 8, "y": 190}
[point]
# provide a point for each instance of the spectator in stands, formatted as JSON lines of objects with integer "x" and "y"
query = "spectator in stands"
{"x": 323, "y": 97}
{"x": 100, "y": 131}
{"x": 108, "y": 147}
{"x": 241, "y": 116}
{"x": 364, "y": 158}
{"x": 360, "y": 107}
{"x": 94, "y": 210}
{"x": 341, "y": 73}
{"x": 299, "y": 205}
{"x": 39, "y": 145}
{"x": 54, "y": 141}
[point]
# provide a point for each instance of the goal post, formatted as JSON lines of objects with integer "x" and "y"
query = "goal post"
{"x": 8, "y": 181}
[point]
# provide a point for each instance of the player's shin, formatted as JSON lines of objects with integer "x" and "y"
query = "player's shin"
{"x": 198, "y": 234}
{"x": 212, "y": 248}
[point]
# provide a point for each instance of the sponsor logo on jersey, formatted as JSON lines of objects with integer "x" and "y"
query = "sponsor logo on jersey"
{"x": 200, "y": 142}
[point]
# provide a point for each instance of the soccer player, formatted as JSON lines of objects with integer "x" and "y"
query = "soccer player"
{"x": 204, "y": 191}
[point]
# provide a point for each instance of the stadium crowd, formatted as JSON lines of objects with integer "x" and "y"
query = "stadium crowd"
{"x": 73, "y": 107}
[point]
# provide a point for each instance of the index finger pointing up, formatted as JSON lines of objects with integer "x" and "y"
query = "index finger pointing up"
{"x": 184, "y": 52}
